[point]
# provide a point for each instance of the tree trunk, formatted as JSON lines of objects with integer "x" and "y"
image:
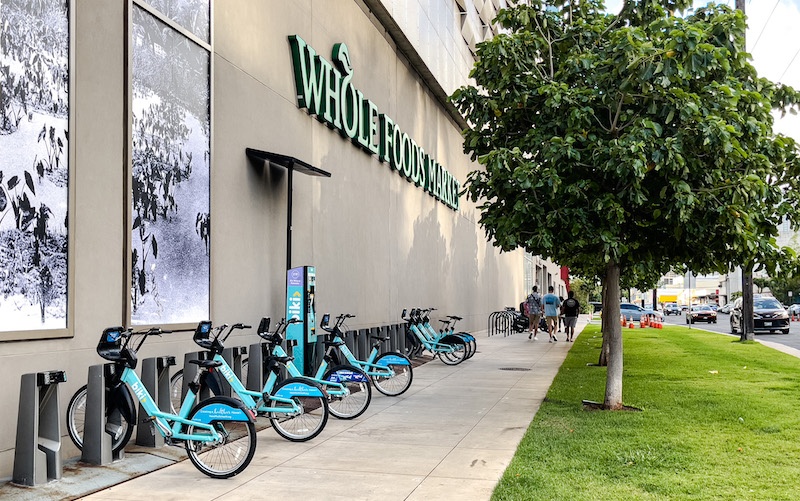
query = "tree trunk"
{"x": 612, "y": 338}
{"x": 748, "y": 325}
{"x": 606, "y": 320}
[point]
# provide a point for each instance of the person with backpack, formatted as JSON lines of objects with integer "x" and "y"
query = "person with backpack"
{"x": 571, "y": 309}
{"x": 534, "y": 303}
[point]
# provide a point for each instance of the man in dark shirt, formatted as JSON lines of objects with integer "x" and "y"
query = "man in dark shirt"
{"x": 571, "y": 309}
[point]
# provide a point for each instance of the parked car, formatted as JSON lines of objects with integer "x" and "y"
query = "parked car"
{"x": 672, "y": 309}
{"x": 713, "y": 306}
{"x": 635, "y": 312}
{"x": 726, "y": 308}
{"x": 794, "y": 309}
{"x": 596, "y": 306}
{"x": 701, "y": 313}
{"x": 768, "y": 316}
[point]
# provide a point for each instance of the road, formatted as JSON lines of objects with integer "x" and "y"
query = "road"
{"x": 723, "y": 325}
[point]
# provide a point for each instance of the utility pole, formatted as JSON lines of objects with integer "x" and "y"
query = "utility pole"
{"x": 748, "y": 325}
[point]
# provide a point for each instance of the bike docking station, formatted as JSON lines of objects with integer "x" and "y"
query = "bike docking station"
{"x": 97, "y": 427}
{"x": 301, "y": 337}
{"x": 155, "y": 376}
{"x": 37, "y": 454}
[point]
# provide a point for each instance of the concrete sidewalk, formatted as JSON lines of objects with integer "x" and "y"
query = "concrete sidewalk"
{"x": 450, "y": 436}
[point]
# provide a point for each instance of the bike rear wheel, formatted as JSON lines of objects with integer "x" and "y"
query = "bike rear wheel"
{"x": 399, "y": 382}
{"x": 458, "y": 355}
{"x": 357, "y": 383}
{"x": 228, "y": 457}
{"x": 176, "y": 391}
{"x": 76, "y": 418}
{"x": 301, "y": 426}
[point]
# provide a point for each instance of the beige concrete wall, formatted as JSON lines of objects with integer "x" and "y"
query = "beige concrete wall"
{"x": 379, "y": 243}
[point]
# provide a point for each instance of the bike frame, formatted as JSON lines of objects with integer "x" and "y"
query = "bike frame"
{"x": 162, "y": 419}
{"x": 332, "y": 388}
{"x": 256, "y": 400}
{"x": 430, "y": 345}
{"x": 449, "y": 329}
{"x": 369, "y": 366}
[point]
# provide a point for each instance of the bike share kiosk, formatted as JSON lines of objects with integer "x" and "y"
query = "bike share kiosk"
{"x": 301, "y": 338}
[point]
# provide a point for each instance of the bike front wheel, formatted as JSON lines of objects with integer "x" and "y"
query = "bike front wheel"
{"x": 76, "y": 418}
{"x": 301, "y": 425}
{"x": 231, "y": 455}
{"x": 360, "y": 392}
{"x": 399, "y": 381}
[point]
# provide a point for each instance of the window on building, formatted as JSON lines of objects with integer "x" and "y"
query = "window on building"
{"x": 170, "y": 166}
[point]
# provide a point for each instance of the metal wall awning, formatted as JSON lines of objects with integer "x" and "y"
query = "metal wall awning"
{"x": 291, "y": 164}
{"x": 286, "y": 161}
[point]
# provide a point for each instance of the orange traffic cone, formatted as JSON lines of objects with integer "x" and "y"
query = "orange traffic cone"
{"x": 630, "y": 323}
{"x": 622, "y": 320}
{"x": 646, "y": 321}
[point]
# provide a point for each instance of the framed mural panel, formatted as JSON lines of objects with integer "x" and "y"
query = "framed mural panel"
{"x": 192, "y": 15}
{"x": 170, "y": 173}
{"x": 34, "y": 168}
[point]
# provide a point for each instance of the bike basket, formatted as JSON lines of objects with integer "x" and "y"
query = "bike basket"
{"x": 110, "y": 345}
{"x": 263, "y": 327}
{"x": 202, "y": 335}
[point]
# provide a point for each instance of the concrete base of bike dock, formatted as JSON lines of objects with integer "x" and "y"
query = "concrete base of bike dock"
{"x": 450, "y": 436}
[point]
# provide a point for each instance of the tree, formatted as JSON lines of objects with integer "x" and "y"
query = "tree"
{"x": 585, "y": 291}
{"x": 762, "y": 283}
{"x": 782, "y": 284}
{"x": 626, "y": 145}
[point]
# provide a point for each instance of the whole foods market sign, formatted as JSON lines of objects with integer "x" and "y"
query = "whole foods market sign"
{"x": 326, "y": 91}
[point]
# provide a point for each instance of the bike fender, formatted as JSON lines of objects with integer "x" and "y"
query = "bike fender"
{"x": 212, "y": 381}
{"x": 120, "y": 399}
{"x": 298, "y": 387}
{"x": 345, "y": 375}
{"x": 452, "y": 338}
{"x": 221, "y": 409}
{"x": 466, "y": 335}
{"x": 393, "y": 359}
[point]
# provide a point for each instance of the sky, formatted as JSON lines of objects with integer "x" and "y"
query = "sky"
{"x": 773, "y": 42}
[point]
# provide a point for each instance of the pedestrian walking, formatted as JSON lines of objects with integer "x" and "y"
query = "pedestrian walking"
{"x": 552, "y": 304}
{"x": 571, "y": 309}
{"x": 534, "y": 303}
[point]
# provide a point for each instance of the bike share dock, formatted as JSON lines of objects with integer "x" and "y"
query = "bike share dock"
{"x": 450, "y": 436}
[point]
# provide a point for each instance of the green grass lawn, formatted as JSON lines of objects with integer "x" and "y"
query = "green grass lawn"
{"x": 720, "y": 420}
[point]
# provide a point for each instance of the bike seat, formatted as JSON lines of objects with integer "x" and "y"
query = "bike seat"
{"x": 206, "y": 364}
{"x": 282, "y": 360}
{"x": 455, "y": 317}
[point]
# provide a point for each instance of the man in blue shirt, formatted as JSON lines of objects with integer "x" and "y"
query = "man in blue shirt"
{"x": 552, "y": 305}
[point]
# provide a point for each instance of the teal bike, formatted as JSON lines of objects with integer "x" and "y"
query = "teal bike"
{"x": 450, "y": 349}
{"x": 218, "y": 433}
{"x": 348, "y": 389}
{"x": 448, "y": 328}
{"x": 390, "y": 372}
{"x": 296, "y": 407}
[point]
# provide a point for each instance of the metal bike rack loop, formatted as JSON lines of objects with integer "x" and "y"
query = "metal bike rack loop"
{"x": 501, "y": 322}
{"x": 37, "y": 454}
{"x": 155, "y": 376}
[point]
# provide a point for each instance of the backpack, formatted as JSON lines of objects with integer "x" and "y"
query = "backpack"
{"x": 534, "y": 305}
